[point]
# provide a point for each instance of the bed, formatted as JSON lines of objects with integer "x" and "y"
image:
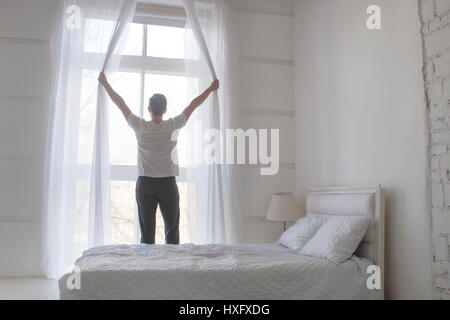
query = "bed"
{"x": 239, "y": 272}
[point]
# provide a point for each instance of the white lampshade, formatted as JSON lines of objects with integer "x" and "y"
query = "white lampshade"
{"x": 283, "y": 207}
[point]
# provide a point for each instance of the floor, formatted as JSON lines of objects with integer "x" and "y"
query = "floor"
{"x": 28, "y": 289}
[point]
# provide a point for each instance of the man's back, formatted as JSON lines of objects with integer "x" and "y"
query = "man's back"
{"x": 155, "y": 145}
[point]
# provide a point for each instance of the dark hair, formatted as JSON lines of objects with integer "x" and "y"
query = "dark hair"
{"x": 158, "y": 104}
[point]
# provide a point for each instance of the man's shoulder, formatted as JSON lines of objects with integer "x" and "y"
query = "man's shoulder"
{"x": 168, "y": 123}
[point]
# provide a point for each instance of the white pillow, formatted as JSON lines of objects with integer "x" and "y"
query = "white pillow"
{"x": 338, "y": 238}
{"x": 298, "y": 234}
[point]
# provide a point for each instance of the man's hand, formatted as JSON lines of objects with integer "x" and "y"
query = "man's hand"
{"x": 102, "y": 79}
{"x": 214, "y": 85}
{"x": 118, "y": 101}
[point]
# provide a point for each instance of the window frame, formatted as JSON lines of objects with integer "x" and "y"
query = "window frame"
{"x": 141, "y": 65}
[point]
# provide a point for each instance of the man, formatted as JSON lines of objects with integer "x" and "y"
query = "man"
{"x": 156, "y": 183}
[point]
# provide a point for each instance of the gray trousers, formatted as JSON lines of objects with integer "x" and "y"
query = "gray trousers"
{"x": 149, "y": 193}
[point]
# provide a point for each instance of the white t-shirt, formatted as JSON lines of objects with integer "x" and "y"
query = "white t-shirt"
{"x": 155, "y": 145}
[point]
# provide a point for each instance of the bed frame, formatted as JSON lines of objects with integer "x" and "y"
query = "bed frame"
{"x": 355, "y": 201}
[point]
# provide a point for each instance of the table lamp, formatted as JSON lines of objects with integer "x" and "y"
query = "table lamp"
{"x": 283, "y": 208}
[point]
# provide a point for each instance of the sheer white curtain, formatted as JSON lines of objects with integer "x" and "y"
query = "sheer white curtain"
{"x": 214, "y": 196}
{"x": 92, "y": 31}
{"x": 77, "y": 154}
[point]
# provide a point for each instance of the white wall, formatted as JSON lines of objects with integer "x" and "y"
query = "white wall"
{"x": 360, "y": 120}
{"x": 25, "y": 28}
{"x": 266, "y": 65}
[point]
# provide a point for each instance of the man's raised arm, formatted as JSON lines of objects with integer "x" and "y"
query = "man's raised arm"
{"x": 197, "y": 102}
{"x": 115, "y": 97}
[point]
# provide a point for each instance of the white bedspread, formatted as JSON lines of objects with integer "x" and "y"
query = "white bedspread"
{"x": 236, "y": 272}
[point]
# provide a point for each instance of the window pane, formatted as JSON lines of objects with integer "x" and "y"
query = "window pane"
{"x": 134, "y": 45}
{"x": 98, "y": 35}
{"x": 123, "y": 206}
{"x": 168, "y": 42}
{"x": 122, "y": 140}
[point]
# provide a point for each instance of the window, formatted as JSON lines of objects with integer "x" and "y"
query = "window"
{"x": 153, "y": 62}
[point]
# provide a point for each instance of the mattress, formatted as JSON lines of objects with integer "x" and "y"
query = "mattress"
{"x": 215, "y": 271}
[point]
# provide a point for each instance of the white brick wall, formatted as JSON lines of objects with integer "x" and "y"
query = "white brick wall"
{"x": 435, "y": 16}
{"x": 442, "y": 6}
